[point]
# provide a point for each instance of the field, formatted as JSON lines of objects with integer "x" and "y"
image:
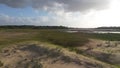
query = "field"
{"x": 94, "y": 47}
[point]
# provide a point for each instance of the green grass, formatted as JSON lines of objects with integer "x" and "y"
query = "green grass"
{"x": 11, "y": 36}
{"x": 63, "y": 38}
{"x": 108, "y": 36}
{"x": 117, "y": 66}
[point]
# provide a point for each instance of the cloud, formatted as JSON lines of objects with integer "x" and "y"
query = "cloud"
{"x": 11, "y": 20}
{"x": 59, "y": 19}
{"x": 59, "y": 12}
{"x": 84, "y": 5}
{"x": 67, "y": 5}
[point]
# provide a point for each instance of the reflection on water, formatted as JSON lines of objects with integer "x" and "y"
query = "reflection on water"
{"x": 101, "y": 32}
{"x": 106, "y": 32}
{"x": 71, "y": 31}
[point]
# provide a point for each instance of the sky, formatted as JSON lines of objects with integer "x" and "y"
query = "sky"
{"x": 71, "y": 13}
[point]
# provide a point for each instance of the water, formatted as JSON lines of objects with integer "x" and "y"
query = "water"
{"x": 104, "y": 32}
{"x": 72, "y": 31}
{"x": 100, "y": 32}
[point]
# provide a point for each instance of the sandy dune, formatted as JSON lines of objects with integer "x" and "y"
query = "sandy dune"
{"x": 39, "y": 56}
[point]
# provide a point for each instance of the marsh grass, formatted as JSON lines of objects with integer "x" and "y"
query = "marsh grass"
{"x": 10, "y": 36}
{"x": 54, "y": 36}
{"x": 107, "y": 36}
{"x": 63, "y": 38}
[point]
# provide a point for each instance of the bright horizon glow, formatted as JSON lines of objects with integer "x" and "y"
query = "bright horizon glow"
{"x": 106, "y": 17}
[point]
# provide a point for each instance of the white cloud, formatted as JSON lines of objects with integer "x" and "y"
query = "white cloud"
{"x": 60, "y": 18}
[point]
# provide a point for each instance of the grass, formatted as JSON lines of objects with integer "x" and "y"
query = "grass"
{"x": 11, "y": 36}
{"x": 117, "y": 66}
{"x": 1, "y": 64}
{"x": 63, "y": 38}
{"x": 107, "y": 36}
{"x": 104, "y": 36}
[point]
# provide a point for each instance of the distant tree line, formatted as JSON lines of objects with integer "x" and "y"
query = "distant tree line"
{"x": 32, "y": 27}
{"x": 108, "y": 28}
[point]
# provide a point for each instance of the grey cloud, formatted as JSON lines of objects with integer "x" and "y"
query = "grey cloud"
{"x": 67, "y": 5}
{"x": 15, "y": 3}
{"x": 84, "y": 5}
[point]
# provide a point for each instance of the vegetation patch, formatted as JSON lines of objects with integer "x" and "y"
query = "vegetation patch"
{"x": 107, "y": 36}
{"x": 63, "y": 38}
{"x": 1, "y": 64}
